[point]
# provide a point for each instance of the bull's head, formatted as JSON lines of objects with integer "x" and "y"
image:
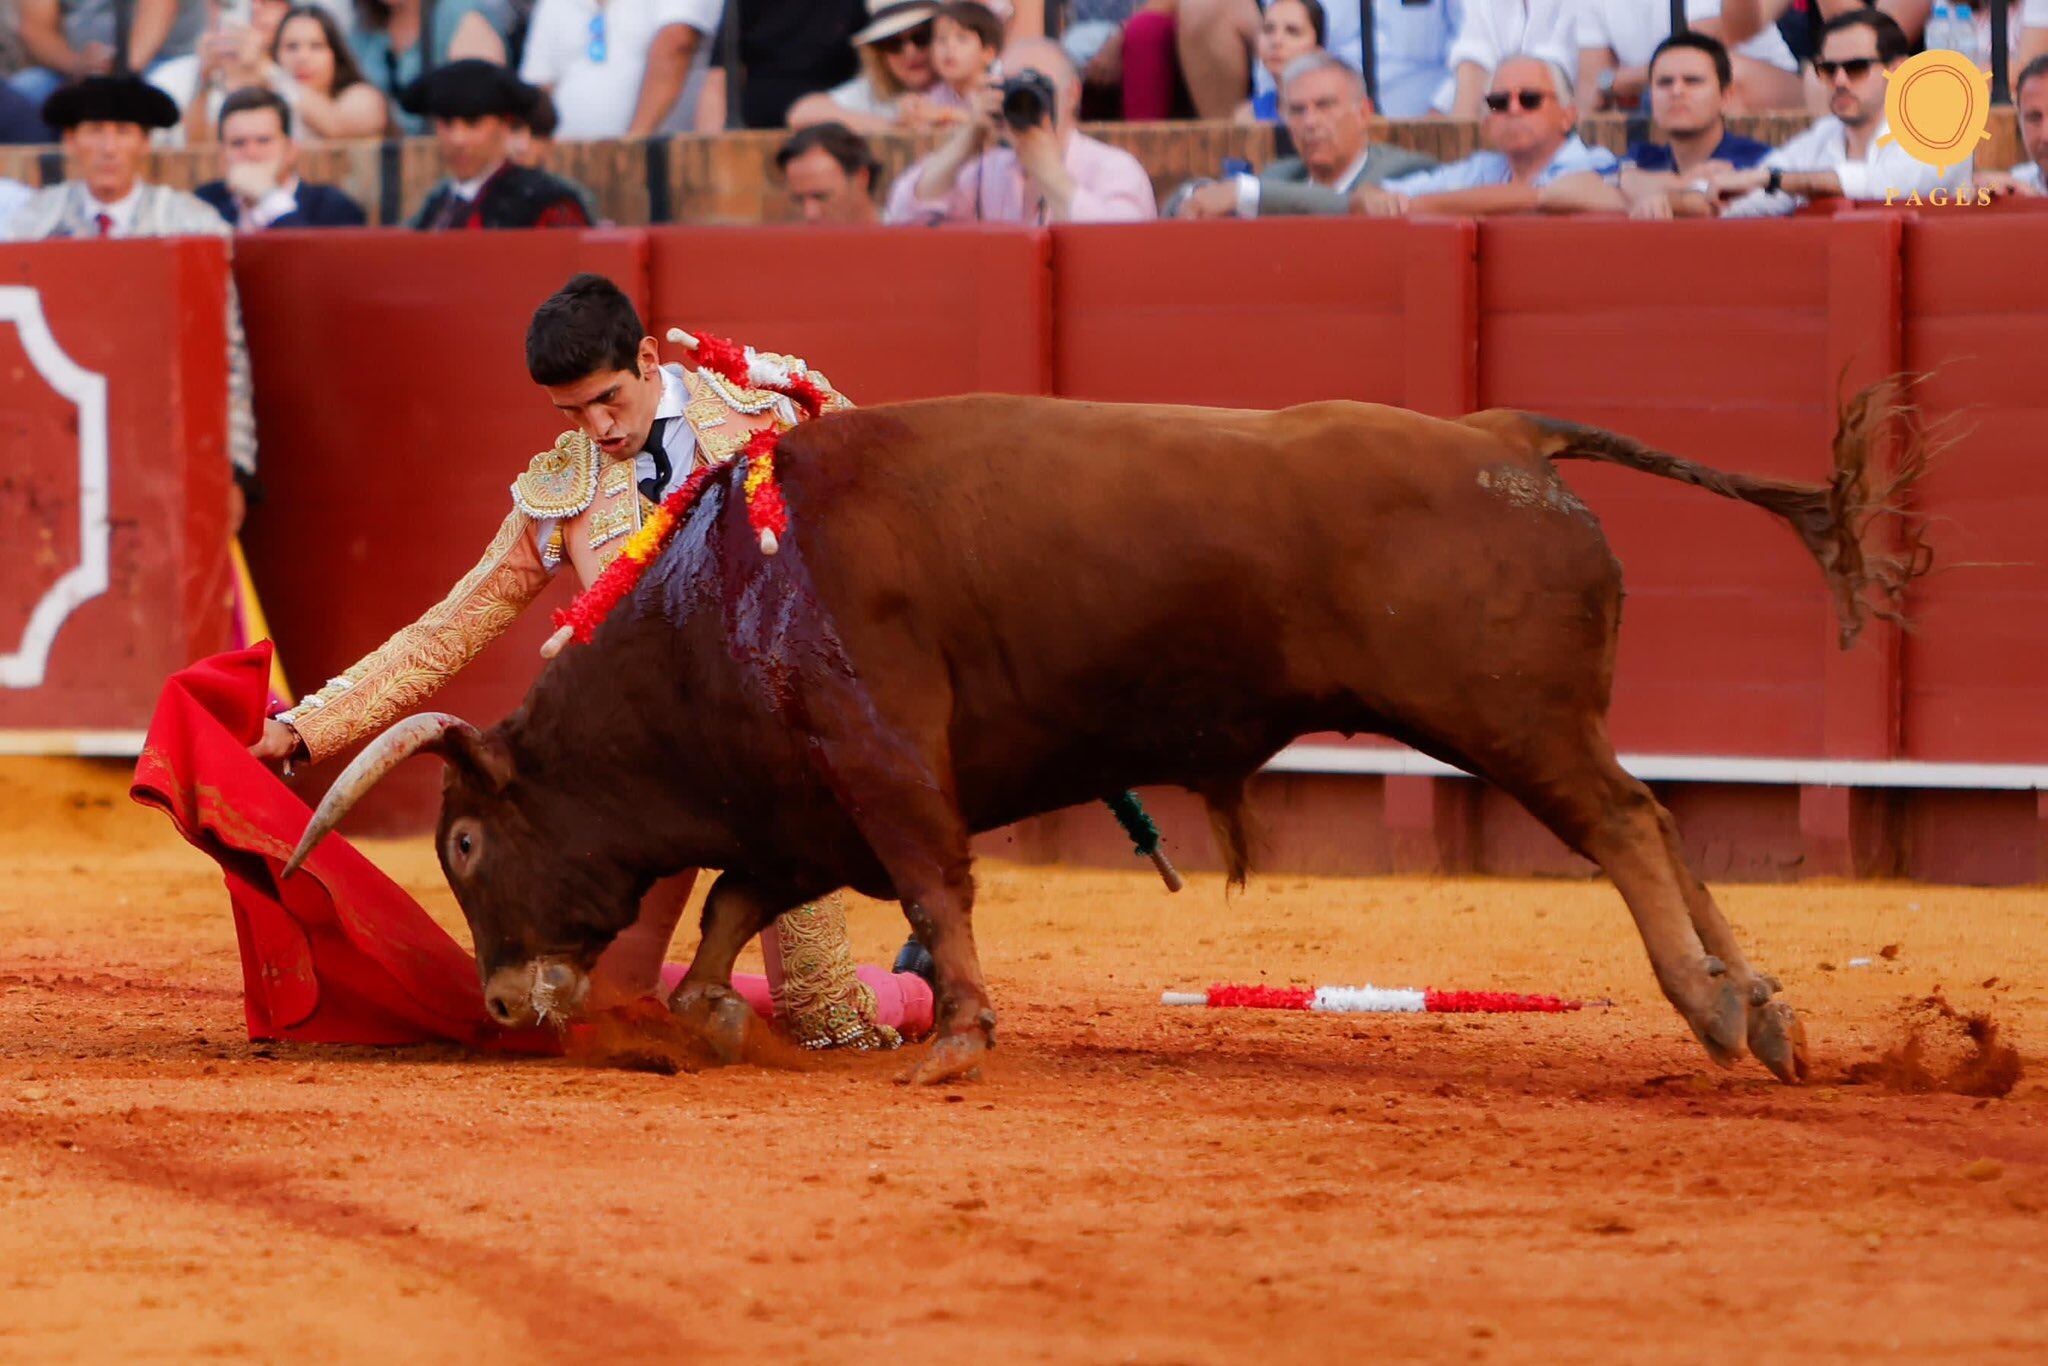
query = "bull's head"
{"x": 541, "y": 903}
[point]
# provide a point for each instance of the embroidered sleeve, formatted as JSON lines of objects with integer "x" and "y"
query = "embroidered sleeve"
{"x": 411, "y": 666}
{"x": 818, "y": 996}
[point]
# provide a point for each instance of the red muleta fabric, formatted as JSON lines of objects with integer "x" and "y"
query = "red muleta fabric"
{"x": 340, "y": 953}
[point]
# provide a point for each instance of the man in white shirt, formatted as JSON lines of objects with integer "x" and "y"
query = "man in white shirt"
{"x": 2030, "y": 102}
{"x": 615, "y": 67}
{"x": 1530, "y": 146}
{"x": 1617, "y": 38}
{"x": 1844, "y": 155}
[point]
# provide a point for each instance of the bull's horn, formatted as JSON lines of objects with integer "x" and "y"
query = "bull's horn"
{"x": 379, "y": 757}
{"x": 682, "y": 338}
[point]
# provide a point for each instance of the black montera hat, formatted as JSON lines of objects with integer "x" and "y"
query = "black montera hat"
{"x": 110, "y": 99}
{"x": 468, "y": 89}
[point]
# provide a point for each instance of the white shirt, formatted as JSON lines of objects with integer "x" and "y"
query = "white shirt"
{"x": 678, "y": 443}
{"x": 1495, "y": 30}
{"x": 1881, "y": 170}
{"x": 2028, "y": 173}
{"x": 13, "y": 194}
{"x": 122, "y": 211}
{"x": 1633, "y": 28}
{"x": 597, "y": 99}
{"x": 273, "y": 206}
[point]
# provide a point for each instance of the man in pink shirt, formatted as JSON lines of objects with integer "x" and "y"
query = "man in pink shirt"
{"x": 1031, "y": 166}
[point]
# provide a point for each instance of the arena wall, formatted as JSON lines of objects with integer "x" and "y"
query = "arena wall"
{"x": 393, "y": 409}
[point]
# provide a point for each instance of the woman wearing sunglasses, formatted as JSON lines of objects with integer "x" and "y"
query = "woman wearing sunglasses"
{"x": 392, "y": 48}
{"x": 896, "y": 75}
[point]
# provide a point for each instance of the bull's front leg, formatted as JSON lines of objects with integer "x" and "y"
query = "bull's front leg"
{"x": 941, "y": 911}
{"x": 736, "y": 910}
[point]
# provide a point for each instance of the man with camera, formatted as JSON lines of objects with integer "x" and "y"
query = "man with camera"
{"x": 1020, "y": 159}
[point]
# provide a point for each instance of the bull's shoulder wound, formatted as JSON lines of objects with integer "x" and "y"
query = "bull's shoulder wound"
{"x": 559, "y": 482}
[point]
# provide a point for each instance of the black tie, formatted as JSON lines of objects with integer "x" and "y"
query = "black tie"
{"x": 655, "y": 483}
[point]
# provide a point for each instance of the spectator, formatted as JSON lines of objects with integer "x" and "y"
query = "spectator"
{"x": 615, "y": 68}
{"x": 1616, "y": 39}
{"x": 1328, "y": 116}
{"x": 261, "y": 186}
{"x": 896, "y": 75}
{"x": 1844, "y": 154}
{"x": 473, "y": 105}
{"x": 1688, "y": 79}
{"x": 67, "y": 39}
{"x": 830, "y": 174}
{"x": 788, "y": 49}
{"x": 105, "y": 123}
{"x": 967, "y": 41}
{"x": 230, "y": 55}
{"x": 335, "y": 100}
{"x": 2030, "y": 98}
{"x": 2033, "y": 43}
{"x": 1032, "y": 167}
{"x": 389, "y": 50}
{"x": 1125, "y": 51}
{"x": 533, "y": 138}
{"x": 1287, "y": 30}
{"x": 1529, "y": 146}
{"x": 1494, "y": 30}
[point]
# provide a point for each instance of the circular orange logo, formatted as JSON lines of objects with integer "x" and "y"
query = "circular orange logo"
{"x": 1937, "y": 105}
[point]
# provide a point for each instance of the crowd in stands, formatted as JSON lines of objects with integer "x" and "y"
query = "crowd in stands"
{"x": 494, "y": 81}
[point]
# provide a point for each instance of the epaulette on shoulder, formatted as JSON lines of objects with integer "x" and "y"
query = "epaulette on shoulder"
{"x": 559, "y": 482}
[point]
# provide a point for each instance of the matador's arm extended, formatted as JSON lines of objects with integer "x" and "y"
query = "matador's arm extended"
{"x": 410, "y": 667}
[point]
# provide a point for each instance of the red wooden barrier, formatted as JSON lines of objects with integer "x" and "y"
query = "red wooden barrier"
{"x": 887, "y": 314}
{"x": 114, "y": 505}
{"x": 395, "y": 411}
{"x": 394, "y": 408}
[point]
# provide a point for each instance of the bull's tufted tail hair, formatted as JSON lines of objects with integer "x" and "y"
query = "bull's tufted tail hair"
{"x": 1832, "y": 519}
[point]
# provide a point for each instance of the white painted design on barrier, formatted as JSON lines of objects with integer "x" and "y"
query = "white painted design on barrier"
{"x": 23, "y": 306}
{"x": 1695, "y": 768}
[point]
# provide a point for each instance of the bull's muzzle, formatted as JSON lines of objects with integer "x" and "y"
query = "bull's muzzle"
{"x": 547, "y": 989}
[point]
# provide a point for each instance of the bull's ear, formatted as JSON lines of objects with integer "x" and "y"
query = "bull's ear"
{"x": 485, "y": 759}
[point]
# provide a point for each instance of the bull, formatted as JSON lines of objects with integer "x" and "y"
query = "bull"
{"x": 993, "y": 607}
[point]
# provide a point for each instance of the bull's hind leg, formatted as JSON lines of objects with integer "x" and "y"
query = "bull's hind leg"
{"x": 1584, "y": 795}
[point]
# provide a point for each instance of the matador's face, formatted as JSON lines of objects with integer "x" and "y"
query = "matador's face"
{"x": 614, "y": 408}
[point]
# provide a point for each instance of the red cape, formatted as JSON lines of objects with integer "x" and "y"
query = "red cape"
{"x": 338, "y": 954}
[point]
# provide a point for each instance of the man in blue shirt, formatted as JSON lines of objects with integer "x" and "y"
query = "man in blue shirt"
{"x": 1529, "y": 146}
{"x": 1689, "y": 77}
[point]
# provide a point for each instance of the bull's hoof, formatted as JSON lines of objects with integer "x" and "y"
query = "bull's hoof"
{"x": 1721, "y": 1024}
{"x": 1778, "y": 1038}
{"x": 956, "y": 1057}
{"x": 717, "y": 1016}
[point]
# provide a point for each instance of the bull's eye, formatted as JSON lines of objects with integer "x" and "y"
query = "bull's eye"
{"x": 462, "y": 844}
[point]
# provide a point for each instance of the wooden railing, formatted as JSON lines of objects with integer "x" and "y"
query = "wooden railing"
{"x": 730, "y": 177}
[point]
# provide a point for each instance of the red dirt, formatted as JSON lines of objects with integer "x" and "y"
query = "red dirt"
{"x": 1944, "y": 1050}
{"x": 1130, "y": 1182}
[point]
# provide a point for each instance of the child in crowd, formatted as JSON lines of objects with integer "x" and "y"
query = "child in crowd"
{"x": 967, "y": 38}
{"x": 1288, "y": 29}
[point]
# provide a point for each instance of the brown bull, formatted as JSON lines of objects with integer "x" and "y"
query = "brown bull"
{"x": 989, "y": 608}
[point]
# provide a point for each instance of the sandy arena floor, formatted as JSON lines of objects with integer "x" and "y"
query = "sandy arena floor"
{"x": 1129, "y": 1183}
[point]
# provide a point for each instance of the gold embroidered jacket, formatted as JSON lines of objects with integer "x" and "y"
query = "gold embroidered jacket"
{"x": 590, "y": 505}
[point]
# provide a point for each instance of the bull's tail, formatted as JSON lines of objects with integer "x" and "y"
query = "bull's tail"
{"x": 1832, "y": 519}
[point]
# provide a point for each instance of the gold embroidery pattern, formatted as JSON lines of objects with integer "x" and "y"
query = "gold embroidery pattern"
{"x": 411, "y": 666}
{"x": 607, "y": 523}
{"x": 616, "y": 479}
{"x": 560, "y": 481}
{"x": 551, "y": 553}
{"x": 820, "y": 1000}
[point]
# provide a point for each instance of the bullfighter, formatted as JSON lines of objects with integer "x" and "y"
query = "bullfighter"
{"x": 640, "y": 428}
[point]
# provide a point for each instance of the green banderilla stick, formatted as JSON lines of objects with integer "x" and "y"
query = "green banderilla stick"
{"x": 1130, "y": 814}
